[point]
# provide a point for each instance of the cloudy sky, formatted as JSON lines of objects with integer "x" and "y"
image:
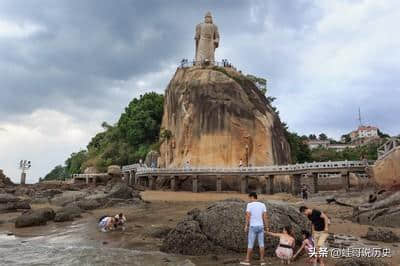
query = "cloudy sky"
{"x": 66, "y": 66}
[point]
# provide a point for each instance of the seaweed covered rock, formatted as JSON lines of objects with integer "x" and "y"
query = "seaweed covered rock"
{"x": 35, "y": 217}
{"x": 381, "y": 234}
{"x": 383, "y": 212}
{"x": 67, "y": 214}
{"x": 220, "y": 226}
{"x": 187, "y": 238}
{"x": 9, "y": 202}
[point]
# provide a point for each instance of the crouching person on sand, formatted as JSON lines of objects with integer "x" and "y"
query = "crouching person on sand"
{"x": 120, "y": 221}
{"x": 256, "y": 223}
{"x": 320, "y": 224}
{"x": 284, "y": 251}
{"x": 106, "y": 223}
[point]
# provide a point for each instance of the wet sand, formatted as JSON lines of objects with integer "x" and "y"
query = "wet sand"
{"x": 166, "y": 208}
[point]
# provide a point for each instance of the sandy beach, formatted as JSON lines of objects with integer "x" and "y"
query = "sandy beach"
{"x": 166, "y": 209}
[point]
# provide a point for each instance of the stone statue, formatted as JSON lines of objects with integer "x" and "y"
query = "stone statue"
{"x": 207, "y": 39}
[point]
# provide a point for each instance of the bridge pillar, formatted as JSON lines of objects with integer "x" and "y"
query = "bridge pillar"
{"x": 259, "y": 187}
{"x": 311, "y": 181}
{"x": 87, "y": 180}
{"x": 243, "y": 184}
{"x": 174, "y": 183}
{"x": 296, "y": 184}
{"x": 152, "y": 182}
{"x": 133, "y": 180}
{"x": 345, "y": 180}
{"x": 269, "y": 184}
{"x": 219, "y": 183}
{"x": 126, "y": 176}
{"x": 195, "y": 184}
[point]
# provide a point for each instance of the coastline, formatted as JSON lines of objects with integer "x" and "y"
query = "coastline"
{"x": 166, "y": 209}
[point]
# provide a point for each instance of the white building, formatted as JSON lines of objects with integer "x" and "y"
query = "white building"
{"x": 364, "y": 134}
{"x": 314, "y": 144}
{"x": 326, "y": 144}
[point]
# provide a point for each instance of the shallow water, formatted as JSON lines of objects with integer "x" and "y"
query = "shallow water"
{"x": 71, "y": 247}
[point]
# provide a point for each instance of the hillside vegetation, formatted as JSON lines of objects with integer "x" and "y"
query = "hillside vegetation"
{"x": 135, "y": 133}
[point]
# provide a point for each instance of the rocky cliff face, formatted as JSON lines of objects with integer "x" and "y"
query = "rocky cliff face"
{"x": 218, "y": 117}
{"x": 4, "y": 180}
{"x": 386, "y": 171}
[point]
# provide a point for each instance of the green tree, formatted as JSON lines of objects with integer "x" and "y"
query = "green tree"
{"x": 261, "y": 83}
{"x": 141, "y": 121}
{"x": 300, "y": 152}
{"x": 383, "y": 135}
{"x": 136, "y": 132}
{"x": 74, "y": 163}
{"x": 323, "y": 155}
{"x": 312, "y": 137}
{"x": 58, "y": 173}
{"x": 322, "y": 136}
{"x": 346, "y": 138}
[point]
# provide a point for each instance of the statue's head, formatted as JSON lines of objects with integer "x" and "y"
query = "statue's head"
{"x": 208, "y": 17}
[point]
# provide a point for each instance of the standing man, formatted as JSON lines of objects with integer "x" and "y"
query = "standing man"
{"x": 256, "y": 223}
{"x": 320, "y": 224}
{"x": 304, "y": 192}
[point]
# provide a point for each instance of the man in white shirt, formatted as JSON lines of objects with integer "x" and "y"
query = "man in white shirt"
{"x": 256, "y": 222}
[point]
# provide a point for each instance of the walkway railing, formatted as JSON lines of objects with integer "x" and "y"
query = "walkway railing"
{"x": 259, "y": 169}
{"x": 388, "y": 147}
{"x": 89, "y": 175}
{"x": 189, "y": 63}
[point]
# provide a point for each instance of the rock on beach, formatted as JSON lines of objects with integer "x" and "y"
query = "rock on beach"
{"x": 221, "y": 227}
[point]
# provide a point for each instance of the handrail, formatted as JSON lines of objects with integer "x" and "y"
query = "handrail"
{"x": 88, "y": 175}
{"x": 190, "y": 63}
{"x": 272, "y": 168}
{"x": 388, "y": 147}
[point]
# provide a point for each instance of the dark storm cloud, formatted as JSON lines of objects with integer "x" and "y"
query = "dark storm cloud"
{"x": 85, "y": 46}
{"x": 82, "y": 48}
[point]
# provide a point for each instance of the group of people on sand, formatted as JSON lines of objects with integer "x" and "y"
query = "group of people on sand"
{"x": 108, "y": 223}
{"x": 257, "y": 224}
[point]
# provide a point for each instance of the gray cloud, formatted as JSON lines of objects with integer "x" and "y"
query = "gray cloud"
{"x": 87, "y": 59}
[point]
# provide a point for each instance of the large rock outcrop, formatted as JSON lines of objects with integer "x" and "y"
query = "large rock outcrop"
{"x": 10, "y": 203}
{"x": 220, "y": 227}
{"x": 4, "y": 180}
{"x": 383, "y": 212}
{"x": 386, "y": 171}
{"x": 218, "y": 117}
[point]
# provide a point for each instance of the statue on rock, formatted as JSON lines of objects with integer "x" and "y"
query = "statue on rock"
{"x": 207, "y": 40}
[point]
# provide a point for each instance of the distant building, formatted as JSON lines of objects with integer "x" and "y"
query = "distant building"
{"x": 326, "y": 144}
{"x": 341, "y": 147}
{"x": 364, "y": 134}
{"x": 314, "y": 144}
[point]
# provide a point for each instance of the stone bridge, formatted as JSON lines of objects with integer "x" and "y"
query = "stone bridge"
{"x": 135, "y": 174}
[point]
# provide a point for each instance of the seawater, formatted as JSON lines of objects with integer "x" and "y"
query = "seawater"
{"x": 70, "y": 247}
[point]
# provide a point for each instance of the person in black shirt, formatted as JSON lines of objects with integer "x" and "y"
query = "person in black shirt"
{"x": 304, "y": 192}
{"x": 320, "y": 224}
